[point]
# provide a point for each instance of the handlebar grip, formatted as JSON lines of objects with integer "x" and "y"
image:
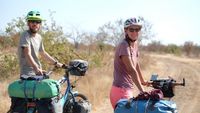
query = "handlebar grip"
{"x": 180, "y": 84}
{"x": 183, "y": 81}
{"x": 46, "y": 75}
{"x": 173, "y": 83}
{"x": 64, "y": 66}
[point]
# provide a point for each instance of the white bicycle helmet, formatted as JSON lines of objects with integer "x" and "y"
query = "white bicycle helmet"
{"x": 132, "y": 21}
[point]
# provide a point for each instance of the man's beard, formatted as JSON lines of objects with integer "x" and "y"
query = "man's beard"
{"x": 33, "y": 30}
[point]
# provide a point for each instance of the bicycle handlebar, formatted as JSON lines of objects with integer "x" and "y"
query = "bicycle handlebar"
{"x": 172, "y": 81}
{"x": 166, "y": 85}
{"x": 180, "y": 84}
{"x": 64, "y": 66}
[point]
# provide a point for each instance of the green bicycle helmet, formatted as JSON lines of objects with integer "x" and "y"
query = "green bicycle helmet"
{"x": 33, "y": 15}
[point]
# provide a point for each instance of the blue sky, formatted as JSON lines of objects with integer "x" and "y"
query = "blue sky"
{"x": 174, "y": 21}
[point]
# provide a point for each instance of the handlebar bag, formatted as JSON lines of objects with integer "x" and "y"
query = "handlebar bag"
{"x": 46, "y": 88}
{"x": 78, "y": 67}
{"x": 145, "y": 106}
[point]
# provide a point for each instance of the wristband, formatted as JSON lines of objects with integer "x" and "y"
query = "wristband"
{"x": 55, "y": 63}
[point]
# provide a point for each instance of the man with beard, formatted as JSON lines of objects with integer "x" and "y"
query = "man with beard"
{"x": 31, "y": 46}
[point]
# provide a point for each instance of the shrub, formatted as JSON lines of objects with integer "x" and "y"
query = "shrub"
{"x": 173, "y": 49}
{"x": 9, "y": 66}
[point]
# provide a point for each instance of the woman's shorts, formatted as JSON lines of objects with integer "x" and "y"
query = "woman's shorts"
{"x": 118, "y": 93}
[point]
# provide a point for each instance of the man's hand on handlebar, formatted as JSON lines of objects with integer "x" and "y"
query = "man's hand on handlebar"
{"x": 58, "y": 64}
{"x": 39, "y": 71}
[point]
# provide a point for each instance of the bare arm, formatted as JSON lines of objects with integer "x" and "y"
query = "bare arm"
{"x": 30, "y": 60}
{"x": 47, "y": 57}
{"x": 140, "y": 74}
{"x": 51, "y": 60}
{"x": 132, "y": 71}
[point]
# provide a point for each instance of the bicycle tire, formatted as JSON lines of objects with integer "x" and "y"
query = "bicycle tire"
{"x": 68, "y": 106}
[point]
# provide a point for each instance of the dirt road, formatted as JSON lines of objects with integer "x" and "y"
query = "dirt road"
{"x": 187, "y": 98}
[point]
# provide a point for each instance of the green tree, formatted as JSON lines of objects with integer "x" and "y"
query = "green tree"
{"x": 15, "y": 26}
{"x": 173, "y": 49}
{"x": 76, "y": 36}
{"x": 111, "y": 33}
{"x": 155, "y": 46}
{"x": 147, "y": 30}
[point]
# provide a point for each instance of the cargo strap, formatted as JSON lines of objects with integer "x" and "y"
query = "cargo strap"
{"x": 147, "y": 106}
{"x": 25, "y": 93}
{"x": 128, "y": 104}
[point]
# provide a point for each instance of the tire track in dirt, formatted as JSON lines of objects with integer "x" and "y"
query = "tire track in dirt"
{"x": 187, "y": 98}
{"x": 191, "y": 97}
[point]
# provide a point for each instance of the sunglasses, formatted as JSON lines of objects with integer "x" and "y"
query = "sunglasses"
{"x": 134, "y": 29}
{"x": 35, "y": 21}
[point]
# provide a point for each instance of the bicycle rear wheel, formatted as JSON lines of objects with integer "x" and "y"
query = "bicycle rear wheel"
{"x": 69, "y": 106}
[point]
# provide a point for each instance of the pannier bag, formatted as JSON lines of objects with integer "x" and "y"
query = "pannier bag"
{"x": 46, "y": 88}
{"x": 145, "y": 106}
{"x": 47, "y": 105}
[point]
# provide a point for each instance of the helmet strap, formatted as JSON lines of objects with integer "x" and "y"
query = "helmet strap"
{"x": 128, "y": 39}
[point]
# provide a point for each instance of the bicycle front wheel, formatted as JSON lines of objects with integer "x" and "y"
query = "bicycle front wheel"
{"x": 69, "y": 106}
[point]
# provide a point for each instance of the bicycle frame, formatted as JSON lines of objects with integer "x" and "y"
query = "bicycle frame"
{"x": 64, "y": 79}
{"x": 68, "y": 89}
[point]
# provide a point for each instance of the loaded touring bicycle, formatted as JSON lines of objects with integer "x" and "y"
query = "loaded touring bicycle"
{"x": 157, "y": 100}
{"x": 43, "y": 95}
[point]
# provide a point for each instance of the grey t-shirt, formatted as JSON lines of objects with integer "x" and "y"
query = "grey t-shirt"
{"x": 35, "y": 44}
{"x": 121, "y": 77}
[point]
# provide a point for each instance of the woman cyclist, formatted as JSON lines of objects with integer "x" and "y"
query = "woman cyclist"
{"x": 127, "y": 70}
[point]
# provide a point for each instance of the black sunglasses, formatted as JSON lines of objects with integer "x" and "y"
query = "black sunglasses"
{"x": 134, "y": 29}
{"x": 35, "y": 21}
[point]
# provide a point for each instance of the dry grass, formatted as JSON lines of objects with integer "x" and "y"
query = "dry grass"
{"x": 5, "y": 100}
{"x": 96, "y": 85}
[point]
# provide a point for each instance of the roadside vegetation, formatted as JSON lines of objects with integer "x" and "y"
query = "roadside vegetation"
{"x": 97, "y": 48}
{"x": 77, "y": 44}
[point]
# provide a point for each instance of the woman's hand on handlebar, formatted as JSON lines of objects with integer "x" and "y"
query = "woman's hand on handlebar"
{"x": 146, "y": 83}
